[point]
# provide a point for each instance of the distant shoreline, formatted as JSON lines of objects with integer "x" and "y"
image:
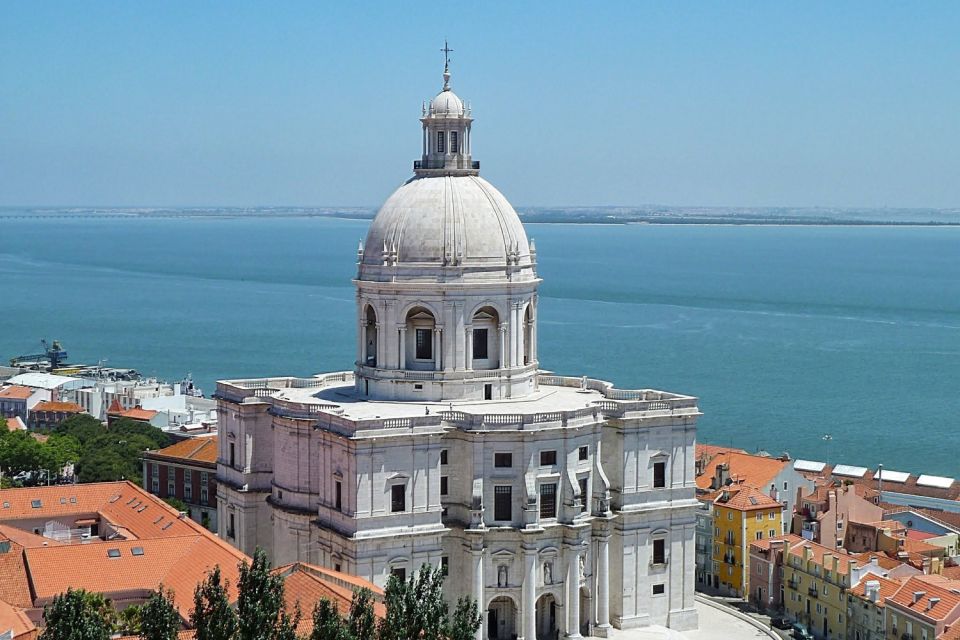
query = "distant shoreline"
{"x": 526, "y": 218}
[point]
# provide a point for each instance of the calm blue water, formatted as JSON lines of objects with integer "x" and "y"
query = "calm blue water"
{"x": 785, "y": 333}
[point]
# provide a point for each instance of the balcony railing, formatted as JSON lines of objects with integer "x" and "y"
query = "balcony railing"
{"x": 812, "y": 592}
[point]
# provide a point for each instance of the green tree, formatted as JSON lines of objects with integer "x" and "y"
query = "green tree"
{"x": 415, "y": 607}
{"x": 260, "y": 602}
{"x": 128, "y": 621}
{"x": 328, "y": 624}
{"x": 362, "y": 623}
{"x": 19, "y": 451}
{"x": 177, "y": 504}
{"x": 465, "y": 620}
{"x": 77, "y": 615}
{"x": 159, "y": 619}
{"x": 212, "y": 617}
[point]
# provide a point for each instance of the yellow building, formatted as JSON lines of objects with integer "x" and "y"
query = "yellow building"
{"x": 815, "y": 584}
{"x": 741, "y": 515}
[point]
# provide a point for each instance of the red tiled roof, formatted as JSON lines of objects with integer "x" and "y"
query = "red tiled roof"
{"x": 888, "y": 587}
{"x": 16, "y": 392}
{"x": 754, "y": 471}
{"x": 905, "y": 599}
{"x": 746, "y": 498}
{"x": 710, "y": 450}
{"x": 307, "y": 584}
{"x": 192, "y": 449}
{"x": 916, "y": 534}
{"x": 15, "y": 585}
{"x": 137, "y": 413}
{"x": 15, "y": 424}
{"x": 15, "y": 619}
{"x": 57, "y": 407}
{"x": 818, "y": 552}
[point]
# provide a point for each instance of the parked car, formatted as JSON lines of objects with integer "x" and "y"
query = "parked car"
{"x": 781, "y": 622}
{"x": 800, "y": 633}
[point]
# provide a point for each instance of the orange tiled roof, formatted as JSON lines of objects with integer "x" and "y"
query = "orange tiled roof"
{"x": 15, "y": 619}
{"x": 883, "y": 560}
{"x": 58, "y": 407}
{"x": 194, "y": 449}
{"x": 904, "y": 599}
{"x": 15, "y": 424}
{"x": 819, "y": 551}
{"x": 754, "y": 471}
{"x": 16, "y": 392}
{"x": 139, "y": 414}
{"x": 888, "y": 587}
{"x": 747, "y": 498}
{"x": 953, "y": 573}
{"x": 25, "y": 539}
{"x": 307, "y": 584}
{"x": 710, "y": 450}
{"x": 764, "y": 544}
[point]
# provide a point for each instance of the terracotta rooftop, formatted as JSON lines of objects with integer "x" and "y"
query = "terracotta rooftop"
{"x": 57, "y": 407}
{"x": 15, "y": 585}
{"x": 16, "y": 392}
{"x": 711, "y": 450}
{"x": 746, "y": 498}
{"x": 744, "y": 468}
{"x": 888, "y": 587}
{"x": 192, "y": 449}
{"x": 15, "y": 619}
{"x": 15, "y": 424}
{"x": 883, "y": 560}
{"x": 818, "y": 552}
{"x": 916, "y": 534}
{"x": 908, "y": 598}
{"x": 307, "y": 584}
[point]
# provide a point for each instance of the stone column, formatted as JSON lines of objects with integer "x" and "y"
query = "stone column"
{"x": 573, "y": 592}
{"x": 517, "y": 322}
{"x": 403, "y": 347}
{"x": 533, "y": 335}
{"x": 528, "y": 607}
{"x": 603, "y": 586}
{"x": 437, "y": 348}
{"x": 361, "y": 343}
{"x": 381, "y": 351}
{"x": 468, "y": 347}
{"x": 504, "y": 358}
{"x": 478, "y": 590}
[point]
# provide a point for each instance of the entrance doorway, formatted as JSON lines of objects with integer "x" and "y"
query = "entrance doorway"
{"x": 547, "y": 618}
{"x": 501, "y": 619}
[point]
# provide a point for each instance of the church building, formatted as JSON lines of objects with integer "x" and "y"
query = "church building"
{"x": 563, "y": 505}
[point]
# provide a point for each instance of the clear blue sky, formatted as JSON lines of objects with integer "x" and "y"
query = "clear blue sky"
{"x": 316, "y": 103}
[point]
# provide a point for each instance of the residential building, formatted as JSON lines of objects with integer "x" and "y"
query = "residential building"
{"x": 824, "y": 514}
{"x": 116, "y": 412}
{"x": 447, "y": 444}
{"x": 741, "y": 515}
{"x": 866, "y": 608}
{"x": 16, "y": 401}
{"x": 49, "y": 386}
{"x": 49, "y": 414}
{"x": 766, "y": 571}
{"x": 816, "y": 579}
{"x": 923, "y": 610}
{"x": 706, "y": 578}
{"x": 187, "y": 471}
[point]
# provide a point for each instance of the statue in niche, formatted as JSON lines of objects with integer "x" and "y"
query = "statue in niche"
{"x": 547, "y": 573}
{"x": 502, "y": 576}
{"x": 582, "y": 565}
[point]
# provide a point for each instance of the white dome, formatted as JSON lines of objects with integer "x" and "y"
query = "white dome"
{"x": 441, "y": 221}
{"x": 447, "y": 103}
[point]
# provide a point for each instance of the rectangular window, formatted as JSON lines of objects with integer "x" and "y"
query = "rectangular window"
{"x": 759, "y": 517}
{"x": 441, "y": 147}
{"x": 659, "y": 474}
{"x": 771, "y": 515}
{"x": 759, "y": 535}
{"x": 155, "y": 485}
{"x": 424, "y": 344}
{"x": 443, "y": 456}
{"x": 454, "y": 142}
{"x": 171, "y": 489}
{"x": 155, "y": 470}
{"x": 204, "y": 495}
{"x": 443, "y": 485}
{"x": 233, "y": 457}
{"x": 400, "y": 572}
{"x": 231, "y": 530}
{"x": 338, "y": 495}
{"x": 503, "y": 503}
{"x": 204, "y": 478}
{"x": 658, "y": 589}
{"x": 480, "y": 342}
{"x": 548, "y": 458}
{"x": 188, "y": 492}
{"x": 503, "y": 460}
{"x": 773, "y": 532}
{"x": 445, "y": 565}
{"x": 548, "y": 500}
{"x": 583, "y": 453}
{"x": 398, "y": 498}
{"x": 659, "y": 551}
{"x": 584, "y": 498}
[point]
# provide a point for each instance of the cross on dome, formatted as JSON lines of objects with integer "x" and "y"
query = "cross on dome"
{"x": 446, "y": 65}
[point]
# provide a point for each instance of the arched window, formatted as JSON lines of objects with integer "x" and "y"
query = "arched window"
{"x": 441, "y": 147}
{"x": 370, "y": 337}
{"x": 420, "y": 348}
{"x": 486, "y": 339}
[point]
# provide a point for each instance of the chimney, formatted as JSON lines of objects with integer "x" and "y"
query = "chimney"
{"x": 872, "y": 589}
{"x": 918, "y": 595}
{"x": 721, "y": 475}
{"x": 926, "y": 566}
{"x": 932, "y": 602}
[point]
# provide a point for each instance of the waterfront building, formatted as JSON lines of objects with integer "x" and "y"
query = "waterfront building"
{"x": 816, "y": 579}
{"x": 741, "y": 515}
{"x": 16, "y": 401}
{"x": 866, "y": 604}
{"x": 924, "y": 609}
{"x": 560, "y": 504}
{"x": 49, "y": 414}
{"x": 766, "y": 571}
{"x": 187, "y": 471}
{"x": 824, "y": 514}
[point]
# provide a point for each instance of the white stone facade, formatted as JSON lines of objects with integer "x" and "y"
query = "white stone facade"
{"x": 562, "y": 505}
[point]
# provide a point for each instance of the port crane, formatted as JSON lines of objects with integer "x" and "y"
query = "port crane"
{"x": 53, "y": 354}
